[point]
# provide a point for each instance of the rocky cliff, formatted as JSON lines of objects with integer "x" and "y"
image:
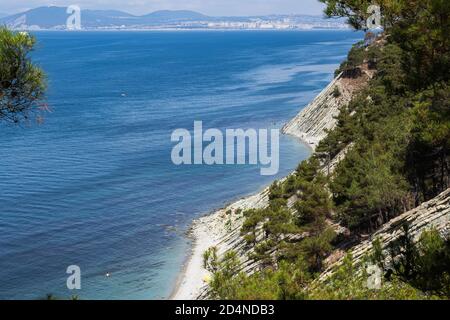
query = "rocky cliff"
{"x": 311, "y": 125}
{"x": 313, "y": 122}
{"x": 432, "y": 214}
{"x": 222, "y": 228}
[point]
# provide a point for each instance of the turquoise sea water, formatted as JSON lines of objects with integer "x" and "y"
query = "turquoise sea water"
{"x": 94, "y": 185}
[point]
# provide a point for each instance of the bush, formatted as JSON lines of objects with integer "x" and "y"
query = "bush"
{"x": 22, "y": 84}
{"x": 336, "y": 92}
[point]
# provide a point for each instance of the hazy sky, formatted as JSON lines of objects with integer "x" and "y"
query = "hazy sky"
{"x": 209, "y": 7}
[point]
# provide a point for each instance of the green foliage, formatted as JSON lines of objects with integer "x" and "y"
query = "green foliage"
{"x": 307, "y": 170}
{"x": 347, "y": 284}
{"x": 211, "y": 260}
{"x": 419, "y": 27}
{"x": 354, "y": 10}
{"x": 396, "y": 133}
{"x": 22, "y": 84}
{"x": 425, "y": 265}
{"x": 316, "y": 248}
{"x": 429, "y": 149}
{"x": 351, "y": 67}
{"x": 275, "y": 191}
{"x": 422, "y": 32}
{"x": 390, "y": 70}
{"x": 368, "y": 187}
{"x": 340, "y": 137}
{"x": 432, "y": 270}
{"x": 285, "y": 283}
{"x": 228, "y": 225}
{"x": 400, "y": 153}
{"x": 377, "y": 257}
{"x": 336, "y": 92}
{"x": 294, "y": 281}
{"x": 277, "y": 224}
{"x": 224, "y": 271}
{"x": 250, "y": 226}
{"x": 314, "y": 203}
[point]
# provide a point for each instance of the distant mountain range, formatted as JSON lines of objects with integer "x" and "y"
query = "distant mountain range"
{"x": 54, "y": 18}
{"x": 3, "y": 15}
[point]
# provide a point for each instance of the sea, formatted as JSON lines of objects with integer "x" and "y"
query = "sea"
{"x": 94, "y": 185}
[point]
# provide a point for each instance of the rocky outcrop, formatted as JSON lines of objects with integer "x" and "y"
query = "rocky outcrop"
{"x": 432, "y": 214}
{"x": 313, "y": 122}
{"x": 330, "y": 166}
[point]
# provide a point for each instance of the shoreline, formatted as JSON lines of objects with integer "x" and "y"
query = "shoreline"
{"x": 181, "y": 30}
{"x": 208, "y": 231}
{"x": 221, "y": 228}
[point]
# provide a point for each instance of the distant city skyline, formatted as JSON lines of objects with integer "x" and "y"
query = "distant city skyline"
{"x": 208, "y": 7}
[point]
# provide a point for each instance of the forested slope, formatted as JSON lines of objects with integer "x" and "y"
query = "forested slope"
{"x": 395, "y": 134}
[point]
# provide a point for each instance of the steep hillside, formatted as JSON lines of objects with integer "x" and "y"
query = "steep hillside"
{"x": 313, "y": 122}
{"x": 434, "y": 214}
{"x": 374, "y": 191}
{"x": 222, "y": 229}
{"x": 382, "y": 149}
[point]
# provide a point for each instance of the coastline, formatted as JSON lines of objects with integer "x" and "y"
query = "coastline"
{"x": 184, "y": 29}
{"x": 222, "y": 227}
{"x": 208, "y": 231}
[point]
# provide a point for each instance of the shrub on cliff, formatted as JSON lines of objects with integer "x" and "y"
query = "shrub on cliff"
{"x": 424, "y": 265}
{"x": 22, "y": 84}
{"x": 348, "y": 284}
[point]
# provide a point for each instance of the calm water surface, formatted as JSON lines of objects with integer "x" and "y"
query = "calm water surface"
{"x": 95, "y": 186}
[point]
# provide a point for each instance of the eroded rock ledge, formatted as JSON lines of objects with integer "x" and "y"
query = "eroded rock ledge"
{"x": 432, "y": 214}
{"x": 313, "y": 122}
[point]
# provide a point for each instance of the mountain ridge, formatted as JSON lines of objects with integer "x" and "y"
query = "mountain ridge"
{"x": 53, "y": 17}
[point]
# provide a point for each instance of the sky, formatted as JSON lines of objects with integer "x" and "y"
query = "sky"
{"x": 208, "y": 7}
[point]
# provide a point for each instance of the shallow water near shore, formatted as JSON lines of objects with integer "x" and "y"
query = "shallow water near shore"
{"x": 94, "y": 185}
